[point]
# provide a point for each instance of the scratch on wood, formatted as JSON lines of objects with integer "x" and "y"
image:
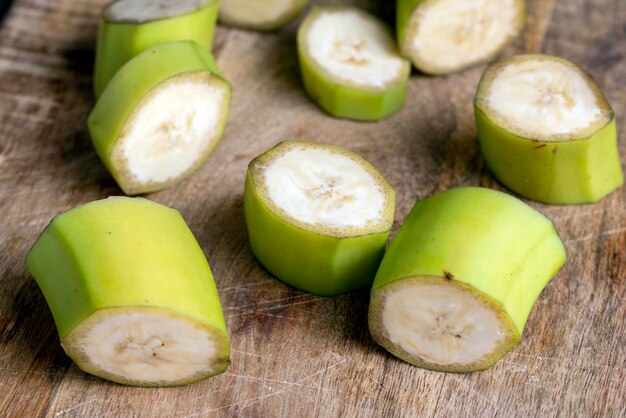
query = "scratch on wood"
{"x": 267, "y": 302}
{"x": 579, "y": 214}
{"x": 591, "y": 236}
{"x": 265, "y": 380}
{"x": 244, "y": 286}
{"x": 65, "y": 411}
{"x": 567, "y": 362}
{"x": 245, "y": 353}
{"x": 249, "y": 402}
{"x": 278, "y": 392}
{"x": 476, "y": 393}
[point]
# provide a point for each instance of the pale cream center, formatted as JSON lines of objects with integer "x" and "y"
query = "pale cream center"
{"x": 440, "y": 323}
{"x": 320, "y": 187}
{"x": 354, "y": 48}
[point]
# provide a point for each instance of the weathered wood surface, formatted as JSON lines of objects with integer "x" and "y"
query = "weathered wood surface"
{"x": 295, "y": 354}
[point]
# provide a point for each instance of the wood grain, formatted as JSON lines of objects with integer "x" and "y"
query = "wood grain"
{"x": 295, "y": 354}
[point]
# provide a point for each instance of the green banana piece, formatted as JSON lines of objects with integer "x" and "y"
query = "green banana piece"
{"x": 161, "y": 116}
{"x": 356, "y": 73}
{"x": 296, "y": 216}
{"x": 459, "y": 279}
{"x": 129, "y": 27}
{"x": 131, "y": 293}
{"x": 575, "y": 165}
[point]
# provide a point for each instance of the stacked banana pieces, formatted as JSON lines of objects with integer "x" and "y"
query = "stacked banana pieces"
{"x": 129, "y": 287}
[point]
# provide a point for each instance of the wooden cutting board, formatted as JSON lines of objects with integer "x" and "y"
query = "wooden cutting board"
{"x": 294, "y": 354}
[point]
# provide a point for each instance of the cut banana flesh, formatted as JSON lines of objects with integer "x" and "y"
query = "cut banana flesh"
{"x": 443, "y": 324}
{"x": 131, "y": 293}
{"x": 260, "y": 14}
{"x": 146, "y": 10}
{"x": 170, "y": 122}
{"x": 172, "y": 127}
{"x": 545, "y": 99}
{"x": 145, "y": 346}
{"x": 350, "y": 64}
{"x": 456, "y": 286}
{"x": 318, "y": 216}
{"x": 547, "y": 131}
{"x": 322, "y": 188}
{"x": 129, "y": 27}
{"x": 443, "y": 36}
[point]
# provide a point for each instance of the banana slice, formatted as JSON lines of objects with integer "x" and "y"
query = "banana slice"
{"x": 350, "y": 64}
{"x": 131, "y": 293}
{"x": 262, "y": 15}
{"x": 547, "y": 131}
{"x": 444, "y": 36}
{"x": 459, "y": 279}
{"x": 318, "y": 216}
{"x": 129, "y": 27}
{"x": 160, "y": 117}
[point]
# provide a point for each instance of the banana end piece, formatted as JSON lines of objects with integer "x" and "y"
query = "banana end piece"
{"x": 456, "y": 286}
{"x": 131, "y": 293}
{"x": 160, "y": 117}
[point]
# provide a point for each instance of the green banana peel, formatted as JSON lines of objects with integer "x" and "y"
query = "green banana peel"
{"x": 260, "y": 15}
{"x": 486, "y": 246}
{"x": 121, "y": 40}
{"x": 310, "y": 257}
{"x": 120, "y": 257}
{"x": 133, "y": 87}
{"x": 339, "y": 97}
{"x": 574, "y": 169}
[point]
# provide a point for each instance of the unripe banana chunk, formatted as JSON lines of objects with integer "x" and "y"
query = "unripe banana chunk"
{"x": 318, "y": 216}
{"x": 129, "y": 27}
{"x": 260, "y": 14}
{"x": 131, "y": 293}
{"x": 459, "y": 279}
{"x": 160, "y": 117}
{"x": 546, "y": 130}
{"x": 444, "y": 36}
{"x": 350, "y": 64}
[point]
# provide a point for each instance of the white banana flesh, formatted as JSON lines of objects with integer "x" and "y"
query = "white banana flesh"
{"x": 324, "y": 188}
{"x": 145, "y": 346}
{"x": 172, "y": 128}
{"x": 251, "y": 13}
{"x": 447, "y": 35}
{"x": 146, "y": 10}
{"x": 441, "y": 323}
{"x": 543, "y": 98}
{"x": 355, "y": 49}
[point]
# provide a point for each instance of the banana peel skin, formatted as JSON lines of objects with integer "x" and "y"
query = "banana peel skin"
{"x": 483, "y": 241}
{"x": 119, "y": 41}
{"x": 342, "y": 100}
{"x": 312, "y": 261}
{"x": 134, "y": 82}
{"x": 125, "y": 253}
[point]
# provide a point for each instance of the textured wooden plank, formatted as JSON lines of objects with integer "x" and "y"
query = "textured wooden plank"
{"x": 295, "y": 354}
